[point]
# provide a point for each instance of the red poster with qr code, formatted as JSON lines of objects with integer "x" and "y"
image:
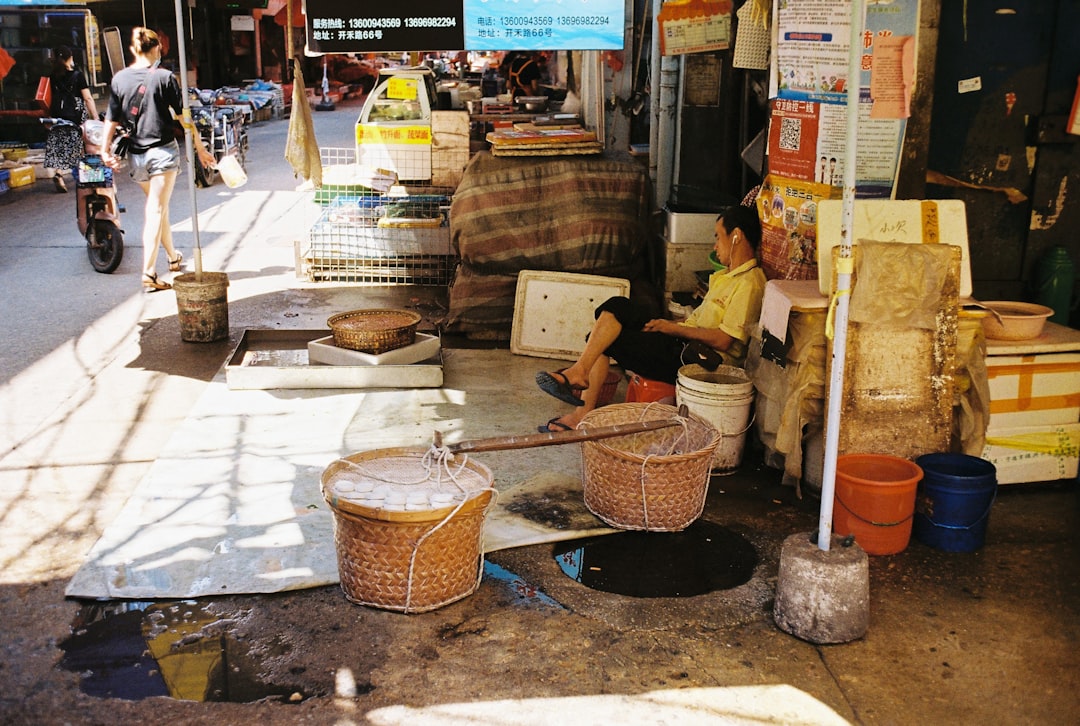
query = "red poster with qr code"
{"x": 793, "y": 140}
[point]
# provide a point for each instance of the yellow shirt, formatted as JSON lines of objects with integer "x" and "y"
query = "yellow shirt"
{"x": 733, "y": 305}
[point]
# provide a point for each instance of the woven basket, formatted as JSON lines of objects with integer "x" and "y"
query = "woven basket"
{"x": 409, "y": 561}
{"x": 653, "y": 480}
{"x": 374, "y": 331}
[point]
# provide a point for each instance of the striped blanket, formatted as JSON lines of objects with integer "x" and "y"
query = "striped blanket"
{"x": 564, "y": 214}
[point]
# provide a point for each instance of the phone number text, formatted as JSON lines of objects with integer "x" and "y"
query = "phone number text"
{"x": 525, "y": 21}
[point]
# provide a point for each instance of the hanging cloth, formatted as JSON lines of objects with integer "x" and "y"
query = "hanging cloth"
{"x": 301, "y": 148}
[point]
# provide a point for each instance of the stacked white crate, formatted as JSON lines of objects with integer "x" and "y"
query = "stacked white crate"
{"x": 688, "y": 240}
{"x": 1034, "y": 429}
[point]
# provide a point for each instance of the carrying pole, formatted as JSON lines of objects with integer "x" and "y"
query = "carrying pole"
{"x": 189, "y": 144}
{"x": 845, "y": 265}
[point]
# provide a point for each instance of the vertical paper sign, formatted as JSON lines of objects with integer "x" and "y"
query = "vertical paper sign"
{"x": 892, "y": 74}
{"x": 812, "y": 65}
{"x": 694, "y": 26}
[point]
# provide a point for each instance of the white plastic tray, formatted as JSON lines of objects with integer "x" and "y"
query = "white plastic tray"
{"x": 267, "y": 359}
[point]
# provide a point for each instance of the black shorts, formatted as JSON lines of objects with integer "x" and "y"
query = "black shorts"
{"x": 651, "y": 355}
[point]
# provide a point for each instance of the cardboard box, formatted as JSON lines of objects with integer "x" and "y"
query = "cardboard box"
{"x": 1037, "y": 389}
{"x": 1034, "y": 453}
{"x": 21, "y": 176}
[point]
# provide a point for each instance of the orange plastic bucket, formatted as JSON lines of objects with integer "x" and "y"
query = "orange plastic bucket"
{"x": 875, "y": 501}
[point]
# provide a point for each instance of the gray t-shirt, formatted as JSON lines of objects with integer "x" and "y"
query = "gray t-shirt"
{"x": 153, "y": 123}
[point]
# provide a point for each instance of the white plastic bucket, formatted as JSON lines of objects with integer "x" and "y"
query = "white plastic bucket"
{"x": 231, "y": 172}
{"x": 723, "y": 398}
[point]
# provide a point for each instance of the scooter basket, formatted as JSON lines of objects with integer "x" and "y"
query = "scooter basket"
{"x": 90, "y": 174}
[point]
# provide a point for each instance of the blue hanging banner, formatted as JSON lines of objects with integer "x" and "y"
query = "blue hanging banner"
{"x": 346, "y": 26}
{"x": 510, "y": 25}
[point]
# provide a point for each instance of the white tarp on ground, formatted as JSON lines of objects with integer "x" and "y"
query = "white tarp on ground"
{"x": 232, "y": 504}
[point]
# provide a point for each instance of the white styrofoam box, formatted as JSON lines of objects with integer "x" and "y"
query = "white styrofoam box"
{"x": 1033, "y": 390}
{"x": 553, "y": 311}
{"x": 689, "y": 237}
{"x": 681, "y": 262}
{"x": 324, "y": 351}
{"x": 1033, "y": 453}
{"x": 892, "y": 220}
{"x": 690, "y": 228}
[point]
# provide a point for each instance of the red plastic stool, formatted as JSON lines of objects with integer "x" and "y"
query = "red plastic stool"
{"x": 647, "y": 390}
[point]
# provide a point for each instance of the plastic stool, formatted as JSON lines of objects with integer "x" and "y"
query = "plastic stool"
{"x": 647, "y": 390}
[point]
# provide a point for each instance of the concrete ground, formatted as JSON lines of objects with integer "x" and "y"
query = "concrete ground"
{"x": 94, "y": 379}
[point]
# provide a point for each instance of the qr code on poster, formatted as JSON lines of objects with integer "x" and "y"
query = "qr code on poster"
{"x": 790, "y": 133}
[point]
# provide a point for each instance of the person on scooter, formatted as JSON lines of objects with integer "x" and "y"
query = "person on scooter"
{"x": 146, "y": 99}
{"x": 71, "y": 101}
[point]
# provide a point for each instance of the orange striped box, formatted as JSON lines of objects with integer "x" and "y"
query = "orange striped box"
{"x": 1034, "y": 390}
{"x": 1034, "y": 453}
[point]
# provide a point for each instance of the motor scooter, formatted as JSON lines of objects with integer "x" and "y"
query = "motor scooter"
{"x": 224, "y": 132}
{"x": 96, "y": 205}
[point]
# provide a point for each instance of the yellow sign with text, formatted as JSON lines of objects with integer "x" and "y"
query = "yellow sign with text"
{"x": 402, "y": 89}
{"x": 375, "y": 134}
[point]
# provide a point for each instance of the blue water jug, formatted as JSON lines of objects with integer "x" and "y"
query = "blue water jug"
{"x": 1054, "y": 279}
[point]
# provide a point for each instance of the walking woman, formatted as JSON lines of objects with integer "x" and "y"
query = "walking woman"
{"x": 71, "y": 101}
{"x": 146, "y": 99}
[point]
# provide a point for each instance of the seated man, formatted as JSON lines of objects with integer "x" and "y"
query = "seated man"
{"x": 653, "y": 348}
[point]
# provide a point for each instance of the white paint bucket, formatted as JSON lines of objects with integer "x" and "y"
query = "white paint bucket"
{"x": 231, "y": 172}
{"x": 723, "y": 398}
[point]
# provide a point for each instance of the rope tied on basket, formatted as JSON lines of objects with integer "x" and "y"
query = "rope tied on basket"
{"x": 684, "y": 422}
{"x": 682, "y": 418}
{"x": 440, "y": 457}
{"x": 435, "y": 461}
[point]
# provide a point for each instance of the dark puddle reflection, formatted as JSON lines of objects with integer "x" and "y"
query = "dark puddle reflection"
{"x": 134, "y": 650}
{"x": 702, "y": 558}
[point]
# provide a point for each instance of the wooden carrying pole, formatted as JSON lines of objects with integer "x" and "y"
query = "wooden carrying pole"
{"x": 555, "y": 438}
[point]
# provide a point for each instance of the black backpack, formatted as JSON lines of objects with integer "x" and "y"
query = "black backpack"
{"x": 67, "y": 104}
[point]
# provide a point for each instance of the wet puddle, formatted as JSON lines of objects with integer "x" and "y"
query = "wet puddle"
{"x": 702, "y": 558}
{"x": 135, "y": 650}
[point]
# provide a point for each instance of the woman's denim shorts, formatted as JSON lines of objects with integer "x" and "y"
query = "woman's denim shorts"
{"x": 156, "y": 160}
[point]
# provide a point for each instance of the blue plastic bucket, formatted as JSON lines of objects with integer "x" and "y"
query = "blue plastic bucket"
{"x": 952, "y": 505}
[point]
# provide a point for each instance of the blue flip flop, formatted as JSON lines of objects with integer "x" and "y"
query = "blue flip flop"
{"x": 561, "y": 390}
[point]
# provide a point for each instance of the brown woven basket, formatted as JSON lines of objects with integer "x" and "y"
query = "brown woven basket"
{"x": 374, "y": 331}
{"x": 653, "y": 480}
{"x": 409, "y": 561}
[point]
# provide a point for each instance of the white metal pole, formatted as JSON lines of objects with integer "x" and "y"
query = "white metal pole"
{"x": 188, "y": 142}
{"x": 839, "y": 306}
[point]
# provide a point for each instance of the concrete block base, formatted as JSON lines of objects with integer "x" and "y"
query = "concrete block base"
{"x": 822, "y": 597}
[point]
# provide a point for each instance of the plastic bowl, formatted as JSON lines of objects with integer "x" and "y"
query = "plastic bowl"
{"x": 532, "y": 103}
{"x": 1019, "y": 320}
